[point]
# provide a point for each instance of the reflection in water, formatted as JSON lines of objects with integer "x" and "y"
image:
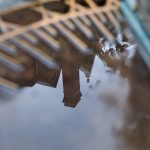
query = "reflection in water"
{"x": 113, "y": 114}
{"x": 71, "y": 64}
{"x": 136, "y": 128}
{"x": 71, "y": 84}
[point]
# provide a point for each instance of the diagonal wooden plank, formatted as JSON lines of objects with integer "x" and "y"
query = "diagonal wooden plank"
{"x": 50, "y": 30}
{"x": 48, "y": 39}
{"x": 11, "y": 63}
{"x": 113, "y": 20}
{"x": 30, "y": 38}
{"x": 85, "y": 20}
{"x": 72, "y": 38}
{"x": 6, "y": 48}
{"x": 84, "y": 29}
{"x": 101, "y": 27}
{"x": 8, "y": 84}
{"x": 69, "y": 25}
{"x": 35, "y": 53}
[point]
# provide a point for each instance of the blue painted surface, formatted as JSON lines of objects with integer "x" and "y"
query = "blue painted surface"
{"x": 141, "y": 33}
{"x": 8, "y": 3}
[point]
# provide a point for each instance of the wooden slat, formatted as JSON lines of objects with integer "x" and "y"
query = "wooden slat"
{"x": 69, "y": 24}
{"x": 101, "y": 27}
{"x": 8, "y": 49}
{"x": 102, "y": 17}
{"x": 113, "y": 20}
{"x": 50, "y": 30}
{"x": 85, "y": 20}
{"x": 8, "y": 84}
{"x": 35, "y": 53}
{"x": 11, "y": 63}
{"x": 50, "y": 41}
{"x": 84, "y": 29}
{"x": 72, "y": 38}
{"x": 30, "y": 38}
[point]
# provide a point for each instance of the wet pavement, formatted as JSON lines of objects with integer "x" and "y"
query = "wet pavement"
{"x": 106, "y": 97}
{"x": 113, "y": 111}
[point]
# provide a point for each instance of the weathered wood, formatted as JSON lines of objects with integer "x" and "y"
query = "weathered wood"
{"x": 38, "y": 41}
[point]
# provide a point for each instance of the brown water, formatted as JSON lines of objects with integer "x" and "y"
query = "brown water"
{"x": 109, "y": 90}
{"x": 113, "y": 112}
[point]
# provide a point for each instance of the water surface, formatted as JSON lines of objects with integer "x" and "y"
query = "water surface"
{"x": 106, "y": 97}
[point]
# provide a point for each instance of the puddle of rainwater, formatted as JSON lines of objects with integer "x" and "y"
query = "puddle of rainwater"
{"x": 111, "y": 99}
{"x": 113, "y": 106}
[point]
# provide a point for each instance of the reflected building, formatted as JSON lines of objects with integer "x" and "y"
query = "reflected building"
{"x": 136, "y": 121}
{"x": 50, "y": 78}
{"x": 70, "y": 44}
{"x": 47, "y": 77}
{"x": 71, "y": 84}
{"x": 87, "y": 65}
{"x": 25, "y": 78}
{"x": 70, "y": 65}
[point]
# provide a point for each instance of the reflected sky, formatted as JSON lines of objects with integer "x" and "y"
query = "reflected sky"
{"x": 35, "y": 118}
{"x": 110, "y": 93}
{"x": 105, "y": 117}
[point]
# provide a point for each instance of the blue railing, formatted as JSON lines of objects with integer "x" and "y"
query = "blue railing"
{"x": 137, "y": 25}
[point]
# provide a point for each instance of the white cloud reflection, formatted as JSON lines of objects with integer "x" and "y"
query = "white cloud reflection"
{"x": 36, "y": 119}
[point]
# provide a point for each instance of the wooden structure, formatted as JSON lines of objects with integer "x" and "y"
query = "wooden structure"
{"x": 35, "y": 37}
